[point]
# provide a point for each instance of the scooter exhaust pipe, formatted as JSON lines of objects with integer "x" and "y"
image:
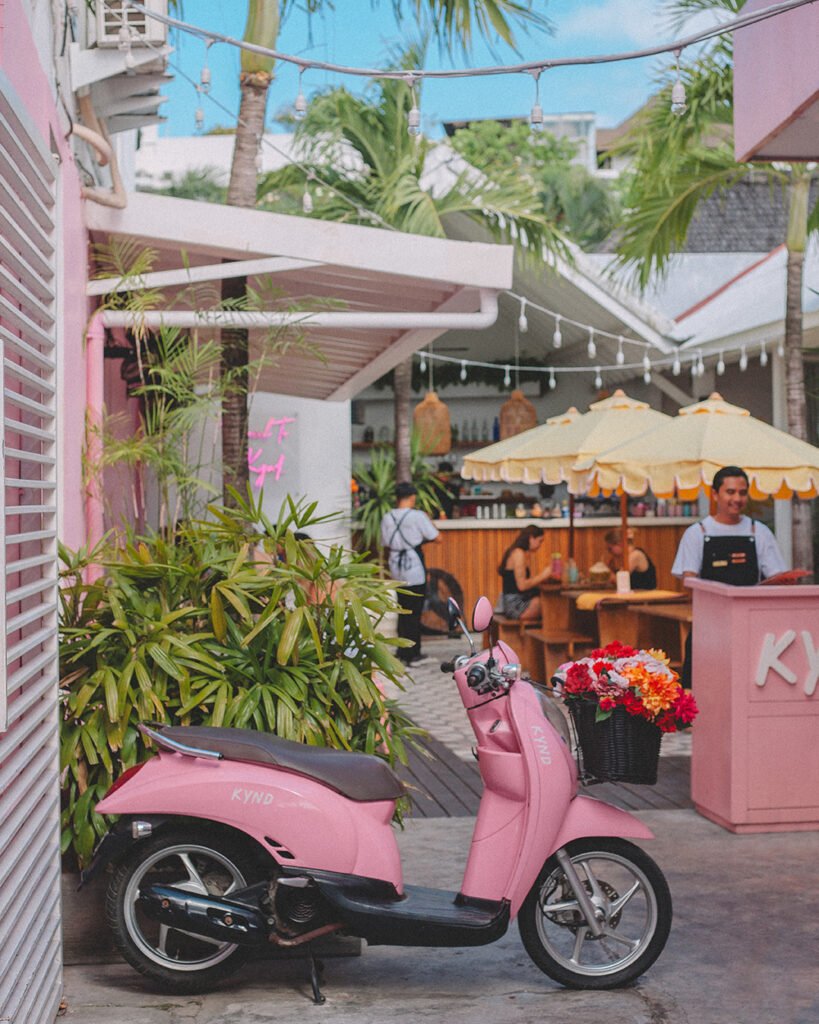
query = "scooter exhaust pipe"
{"x": 223, "y": 919}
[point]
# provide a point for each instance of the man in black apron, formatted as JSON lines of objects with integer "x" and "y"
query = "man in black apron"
{"x": 727, "y": 546}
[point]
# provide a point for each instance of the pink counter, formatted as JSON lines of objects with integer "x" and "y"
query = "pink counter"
{"x": 755, "y": 758}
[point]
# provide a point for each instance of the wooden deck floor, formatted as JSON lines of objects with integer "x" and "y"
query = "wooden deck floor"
{"x": 443, "y": 785}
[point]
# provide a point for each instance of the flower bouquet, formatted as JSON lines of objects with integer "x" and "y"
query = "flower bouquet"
{"x": 622, "y": 701}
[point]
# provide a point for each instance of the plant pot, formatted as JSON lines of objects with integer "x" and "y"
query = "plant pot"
{"x": 621, "y": 748}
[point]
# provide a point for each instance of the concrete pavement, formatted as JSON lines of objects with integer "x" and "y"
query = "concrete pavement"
{"x": 743, "y": 950}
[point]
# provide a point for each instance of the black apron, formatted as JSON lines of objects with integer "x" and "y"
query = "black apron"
{"x": 732, "y": 560}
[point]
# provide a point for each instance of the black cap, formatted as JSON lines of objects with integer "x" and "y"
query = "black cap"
{"x": 405, "y": 490}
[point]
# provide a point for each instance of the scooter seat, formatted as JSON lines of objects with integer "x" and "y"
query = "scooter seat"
{"x": 361, "y": 777}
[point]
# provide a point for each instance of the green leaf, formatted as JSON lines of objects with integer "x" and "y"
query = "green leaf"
{"x": 290, "y": 636}
{"x": 217, "y": 616}
{"x": 111, "y": 695}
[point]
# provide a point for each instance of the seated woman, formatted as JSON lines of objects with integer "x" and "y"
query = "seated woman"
{"x": 641, "y": 569}
{"x": 519, "y": 600}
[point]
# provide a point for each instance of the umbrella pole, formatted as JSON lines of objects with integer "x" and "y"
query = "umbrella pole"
{"x": 624, "y": 527}
{"x": 571, "y": 525}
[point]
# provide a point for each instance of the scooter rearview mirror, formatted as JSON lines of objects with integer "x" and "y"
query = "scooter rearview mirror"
{"x": 453, "y": 612}
{"x": 482, "y": 615}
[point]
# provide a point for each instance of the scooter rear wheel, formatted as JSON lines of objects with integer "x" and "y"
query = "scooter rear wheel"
{"x": 633, "y": 904}
{"x": 200, "y": 861}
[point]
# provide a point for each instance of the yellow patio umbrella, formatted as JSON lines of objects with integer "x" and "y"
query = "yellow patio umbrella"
{"x": 682, "y": 454}
{"x": 548, "y": 453}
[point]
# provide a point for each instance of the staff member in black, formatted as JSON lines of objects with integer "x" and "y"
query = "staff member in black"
{"x": 728, "y": 546}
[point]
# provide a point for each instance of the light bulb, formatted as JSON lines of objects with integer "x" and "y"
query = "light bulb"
{"x": 552, "y": 380}
{"x": 414, "y": 121}
{"x": 620, "y": 357}
{"x": 720, "y": 365}
{"x": 647, "y": 376}
{"x": 536, "y": 119}
{"x": 199, "y": 119}
{"x": 743, "y": 359}
{"x": 763, "y": 355}
{"x": 646, "y": 362}
{"x": 423, "y": 364}
{"x": 678, "y": 102}
{"x": 307, "y": 202}
{"x": 130, "y": 62}
{"x": 675, "y": 366}
{"x": 300, "y": 106}
{"x": 780, "y": 348}
{"x": 205, "y": 79}
{"x": 557, "y": 337}
{"x": 463, "y": 369}
{"x": 694, "y": 368}
{"x": 598, "y": 380}
{"x": 523, "y": 323}
{"x": 507, "y": 379}
{"x": 124, "y": 38}
{"x": 591, "y": 348}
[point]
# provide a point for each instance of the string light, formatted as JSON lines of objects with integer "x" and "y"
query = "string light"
{"x": 675, "y": 366}
{"x": 423, "y": 364}
{"x": 780, "y": 348}
{"x": 536, "y": 113}
{"x": 507, "y": 377}
{"x": 743, "y": 359}
{"x": 647, "y": 376}
{"x": 676, "y": 47}
{"x": 678, "y": 101}
{"x": 763, "y": 355}
{"x": 205, "y": 79}
{"x": 646, "y": 362}
{"x": 552, "y": 380}
{"x": 598, "y": 380}
{"x": 720, "y": 365}
{"x": 307, "y": 201}
{"x": 300, "y": 104}
{"x": 523, "y": 323}
{"x": 198, "y": 114}
{"x": 414, "y": 115}
{"x": 694, "y": 369}
{"x": 557, "y": 337}
{"x": 591, "y": 348}
{"x": 620, "y": 357}
{"x": 700, "y": 365}
{"x": 463, "y": 370}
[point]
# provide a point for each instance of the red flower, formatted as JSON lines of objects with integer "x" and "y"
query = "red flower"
{"x": 685, "y": 708}
{"x": 617, "y": 650}
{"x": 667, "y": 722}
{"x": 607, "y": 703}
{"x": 578, "y": 679}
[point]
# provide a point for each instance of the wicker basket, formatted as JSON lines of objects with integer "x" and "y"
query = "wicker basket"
{"x": 621, "y": 748}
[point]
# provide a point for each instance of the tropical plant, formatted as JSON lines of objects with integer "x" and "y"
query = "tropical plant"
{"x": 230, "y": 622}
{"x": 585, "y": 208}
{"x": 359, "y": 146}
{"x": 679, "y": 162}
{"x": 376, "y": 489}
{"x": 202, "y": 183}
{"x": 452, "y": 22}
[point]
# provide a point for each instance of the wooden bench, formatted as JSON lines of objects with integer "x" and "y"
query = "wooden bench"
{"x": 518, "y": 635}
{"x": 558, "y": 645}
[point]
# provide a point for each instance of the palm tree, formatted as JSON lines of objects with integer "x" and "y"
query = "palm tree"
{"x": 681, "y": 161}
{"x": 452, "y": 22}
{"x": 360, "y": 147}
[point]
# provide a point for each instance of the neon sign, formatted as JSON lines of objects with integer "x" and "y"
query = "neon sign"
{"x": 262, "y": 469}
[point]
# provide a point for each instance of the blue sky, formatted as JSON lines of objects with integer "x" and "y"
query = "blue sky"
{"x": 356, "y": 34}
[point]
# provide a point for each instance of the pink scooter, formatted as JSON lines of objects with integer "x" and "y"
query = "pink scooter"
{"x": 231, "y": 839}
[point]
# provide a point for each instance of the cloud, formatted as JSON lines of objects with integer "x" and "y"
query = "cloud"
{"x": 639, "y": 23}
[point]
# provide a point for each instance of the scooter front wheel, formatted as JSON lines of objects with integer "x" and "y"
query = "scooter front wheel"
{"x": 199, "y": 862}
{"x": 632, "y": 902}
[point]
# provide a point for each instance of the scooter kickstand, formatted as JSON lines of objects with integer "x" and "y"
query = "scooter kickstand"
{"x": 316, "y": 970}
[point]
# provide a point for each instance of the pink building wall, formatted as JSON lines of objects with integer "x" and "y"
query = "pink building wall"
{"x": 20, "y": 64}
{"x": 776, "y": 85}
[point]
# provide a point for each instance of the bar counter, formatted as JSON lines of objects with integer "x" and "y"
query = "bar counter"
{"x": 471, "y": 548}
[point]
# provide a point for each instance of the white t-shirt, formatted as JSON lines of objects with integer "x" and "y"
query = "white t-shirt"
{"x": 689, "y": 553}
{"x": 403, "y": 530}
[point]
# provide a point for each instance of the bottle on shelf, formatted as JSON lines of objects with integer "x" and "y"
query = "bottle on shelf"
{"x": 557, "y": 566}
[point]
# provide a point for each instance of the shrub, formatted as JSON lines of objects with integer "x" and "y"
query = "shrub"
{"x": 231, "y": 621}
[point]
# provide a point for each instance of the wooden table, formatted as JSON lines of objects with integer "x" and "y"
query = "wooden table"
{"x": 653, "y": 622}
{"x": 617, "y": 617}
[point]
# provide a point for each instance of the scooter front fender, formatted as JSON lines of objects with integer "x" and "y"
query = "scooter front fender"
{"x": 588, "y": 817}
